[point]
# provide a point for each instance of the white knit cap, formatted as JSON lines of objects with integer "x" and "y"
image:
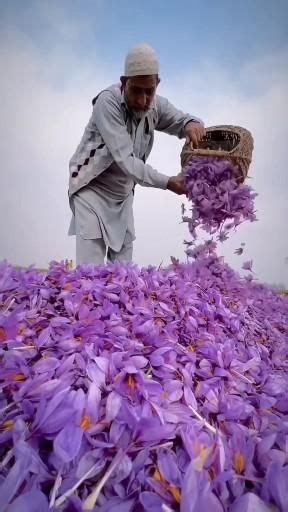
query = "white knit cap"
{"x": 141, "y": 60}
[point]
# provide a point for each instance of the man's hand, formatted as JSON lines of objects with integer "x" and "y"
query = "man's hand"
{"x": 194, "y": 132}
{"x": 176, "y": 185}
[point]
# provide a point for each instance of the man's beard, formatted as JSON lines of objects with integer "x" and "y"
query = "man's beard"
{"x": 139, "y": 114}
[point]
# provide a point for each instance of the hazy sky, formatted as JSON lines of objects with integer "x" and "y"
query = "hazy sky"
{"x": 224, "y": 62}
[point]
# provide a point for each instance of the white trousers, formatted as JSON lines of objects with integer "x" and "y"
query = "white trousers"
{"x": 94, "y": 251}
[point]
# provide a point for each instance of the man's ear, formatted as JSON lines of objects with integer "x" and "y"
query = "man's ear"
{"x": 158, "y": 80}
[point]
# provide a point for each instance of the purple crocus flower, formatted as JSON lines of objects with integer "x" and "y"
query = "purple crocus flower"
{"x": 212, "y": 187}
{"x": 189, "y": 407}
{"x": 196, "y": 493}
{"x": 275, "y": 486}
{"x": 249, "y": 502}
{"x": 31, "y": 501}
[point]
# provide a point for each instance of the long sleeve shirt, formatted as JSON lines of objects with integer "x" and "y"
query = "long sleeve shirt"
{"x": 113, "y": 135}
{"x": 111, "y": 159}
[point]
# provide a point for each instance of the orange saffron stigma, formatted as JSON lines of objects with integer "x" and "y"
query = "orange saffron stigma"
{"x": 171, "y": 488}
{"x": 239, "y": 463}
{"x": 158, "y": 477}
{"x": 7, "y": 425}
{"x": 131, "y": 382}
{"x": 85, "y": 422}
{"x": 19, "y": 376}
{"x": 175, "y": 493}
{"x": 3, "y": 335}
{"x": 67, "y": 286}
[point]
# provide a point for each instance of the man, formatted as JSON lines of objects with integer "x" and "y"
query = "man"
{"x": 111, "y": 159}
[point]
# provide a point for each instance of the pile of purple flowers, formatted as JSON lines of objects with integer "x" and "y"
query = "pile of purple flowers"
{"x": 219, "y": 202}
{"x": 151, "y": 390}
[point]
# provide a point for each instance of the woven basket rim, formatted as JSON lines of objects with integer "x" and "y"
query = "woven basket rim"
{"x": 241, "y": 154}
{"x": 213, "y": 152}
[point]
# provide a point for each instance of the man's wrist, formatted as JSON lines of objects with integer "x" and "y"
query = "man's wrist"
{"x": 194, "y": 121}
{"x": 190, "y": 121}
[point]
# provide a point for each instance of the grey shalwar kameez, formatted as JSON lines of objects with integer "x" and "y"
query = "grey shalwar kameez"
{"x": 107, "y": 164}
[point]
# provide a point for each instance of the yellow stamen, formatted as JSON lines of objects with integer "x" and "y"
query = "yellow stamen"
{"x": 19, "y": 376}
{"x": 239, "y": 463}
{"x": 131, "y": 382}
{"x": 8, "y": 424}
{"x": 203, "y": 453}
{"x": 67, "y": 286}
{"x": 171, "y": 488}
{"x": 85, "y": 422}
{"x": 159, "y": 478}
{"x": 175, "y": 493}
{"x": 157, "y": 475}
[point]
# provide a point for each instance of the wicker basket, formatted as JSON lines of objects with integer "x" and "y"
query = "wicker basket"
{"x": 230, "y": 142}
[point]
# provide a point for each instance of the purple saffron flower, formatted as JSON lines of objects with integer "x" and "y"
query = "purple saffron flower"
{"x": 250, "y": 502}
{"x": 68, "y": 442}
{"x": 161, "y": 388}
{"x": 151, "y": 502}
{"x": 275, "y": 486}
{"x": 31, "y": 501}
{"x": 196, "y": 494}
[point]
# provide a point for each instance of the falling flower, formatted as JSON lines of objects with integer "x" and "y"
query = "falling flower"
{"x": 247, "y": 265}
{"x": 219, "y": 202}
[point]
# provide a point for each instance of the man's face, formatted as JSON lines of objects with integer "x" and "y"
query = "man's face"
{"x": 139, "y": 92}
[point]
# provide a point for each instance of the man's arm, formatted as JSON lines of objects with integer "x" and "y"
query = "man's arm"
{"x": 108, "y": 118}
{"x": 173, "y": 121}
